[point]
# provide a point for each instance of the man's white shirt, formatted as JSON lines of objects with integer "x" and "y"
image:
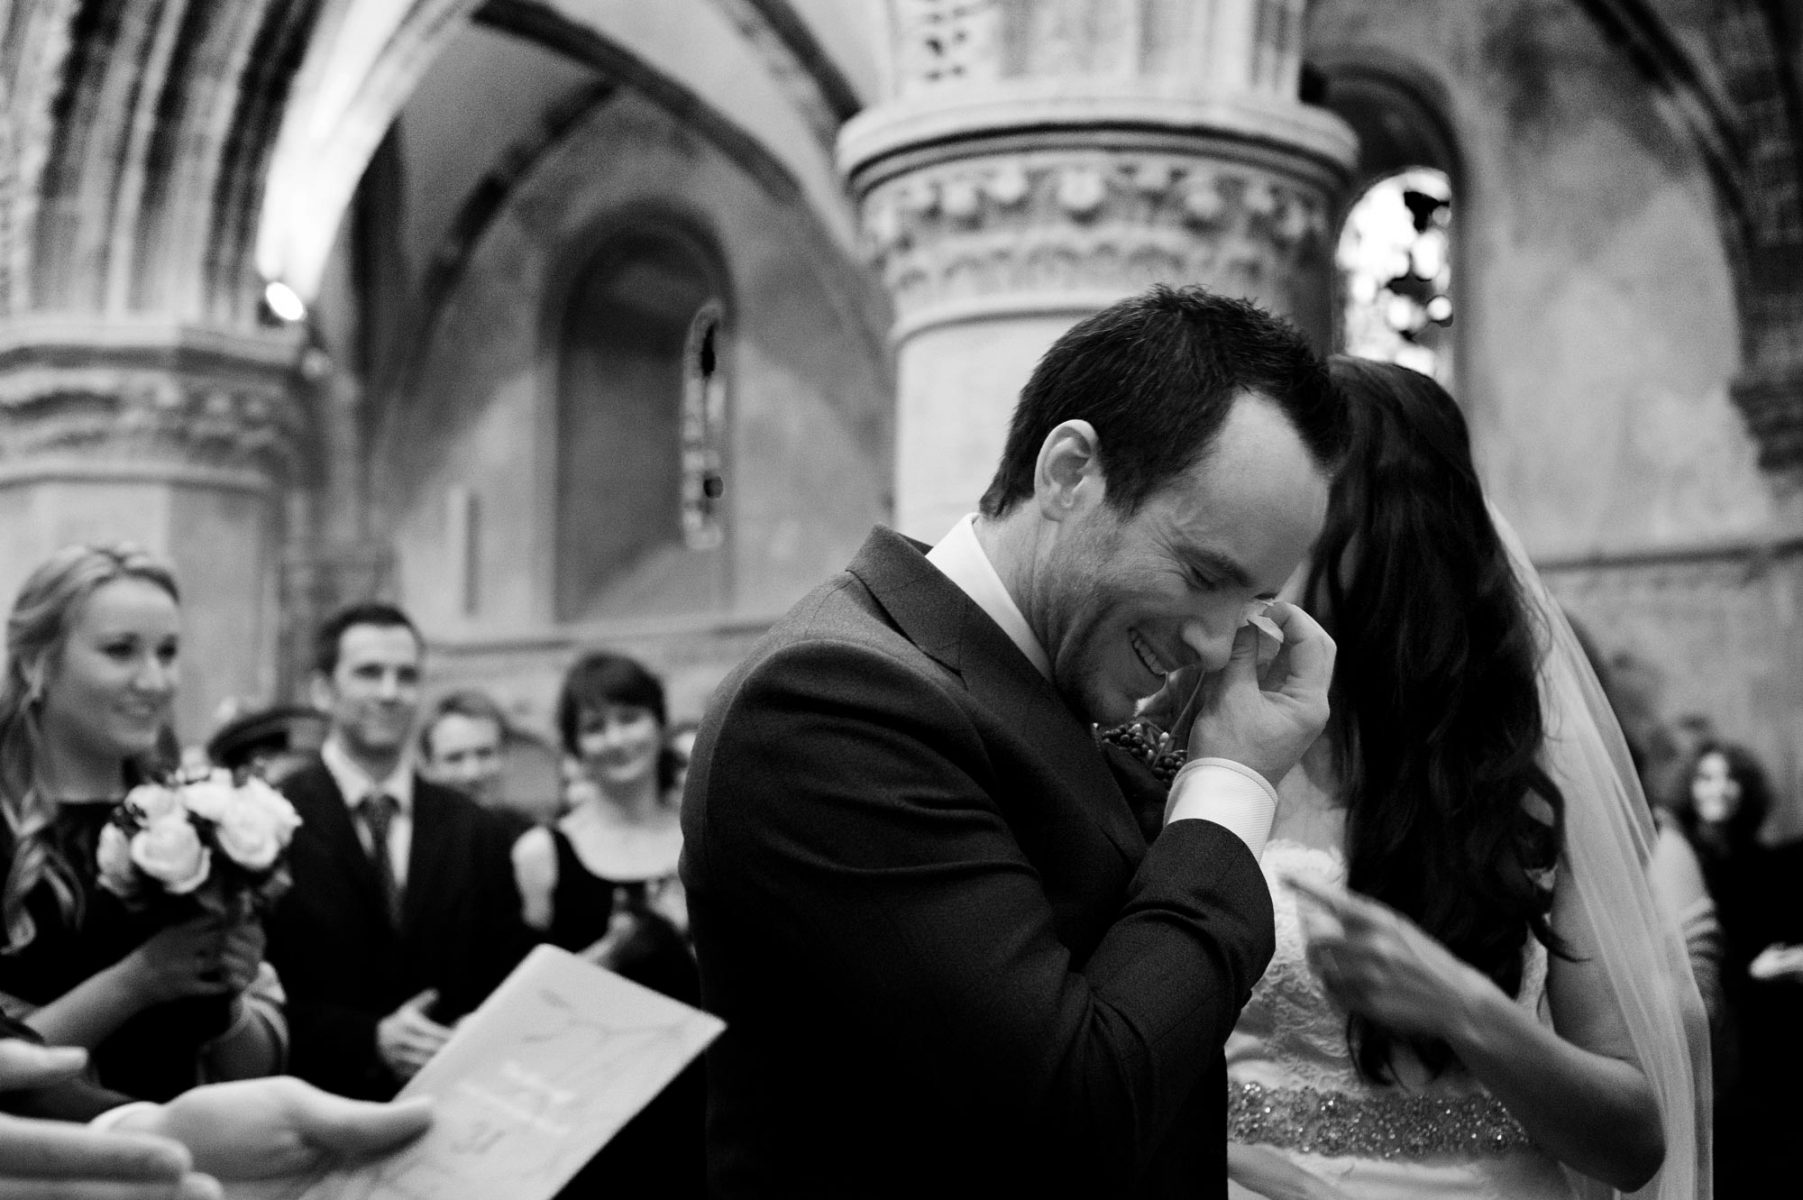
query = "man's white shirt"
{"x": 354, "y": 784}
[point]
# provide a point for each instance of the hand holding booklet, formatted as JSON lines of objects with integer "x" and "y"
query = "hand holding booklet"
{"x": 530, "y": 1086}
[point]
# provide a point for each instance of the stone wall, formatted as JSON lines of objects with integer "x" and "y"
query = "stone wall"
{"x": 1598, "y": 340}
{"x": 807, "y": 459}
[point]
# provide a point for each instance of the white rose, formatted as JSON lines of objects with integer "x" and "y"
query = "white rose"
{"x": 250, "y": 834}
{"x": 209, "y": 798}
{"x": 170, "y": 851}
{"x": 152, "y": 801}
{"x": 113, "y": 857}
{"x": 255, "y": 792}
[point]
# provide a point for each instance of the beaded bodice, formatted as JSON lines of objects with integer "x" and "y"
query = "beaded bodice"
{"x": 1292, "y": 1079}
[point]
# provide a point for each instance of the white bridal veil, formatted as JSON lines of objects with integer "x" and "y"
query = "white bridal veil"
{"x": 1608, "y": 840}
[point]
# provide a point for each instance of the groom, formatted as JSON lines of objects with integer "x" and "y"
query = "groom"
{"x": 949, "y": 961}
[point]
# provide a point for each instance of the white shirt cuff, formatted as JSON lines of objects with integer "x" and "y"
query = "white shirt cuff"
{"x": 109, "y": 1120}
{"x": 1228, "y": 793}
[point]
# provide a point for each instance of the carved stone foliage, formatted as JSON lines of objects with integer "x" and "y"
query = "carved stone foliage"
{"x": 148, "y": 418}
{"x": 1085, "y": 221}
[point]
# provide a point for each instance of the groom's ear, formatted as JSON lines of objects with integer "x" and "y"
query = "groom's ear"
{"x": 1067, "y": 477}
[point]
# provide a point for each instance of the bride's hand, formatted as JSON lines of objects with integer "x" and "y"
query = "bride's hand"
{"x": 1374, "y": 961}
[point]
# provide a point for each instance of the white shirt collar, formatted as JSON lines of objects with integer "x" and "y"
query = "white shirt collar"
{"x": 960, "y": 557}
{"x": 354, "y": 782}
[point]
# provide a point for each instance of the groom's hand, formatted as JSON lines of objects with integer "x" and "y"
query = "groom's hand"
{"x": 1264, "y": 717}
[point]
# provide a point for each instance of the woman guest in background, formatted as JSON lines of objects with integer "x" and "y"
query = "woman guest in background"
{"x": 601, "y": 881}
{"x": 1474, "y": 992}
{"x": 1759, "y": 903}
{"x": 611, "y": 859}
{"x": 92, "y": 648}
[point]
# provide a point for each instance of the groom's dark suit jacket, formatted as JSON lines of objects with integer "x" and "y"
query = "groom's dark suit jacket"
{"x": 345, "y": 967}
{"x": 948, "y": 960}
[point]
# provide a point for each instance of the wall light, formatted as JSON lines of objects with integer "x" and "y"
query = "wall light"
{"x": 284, "y": 302}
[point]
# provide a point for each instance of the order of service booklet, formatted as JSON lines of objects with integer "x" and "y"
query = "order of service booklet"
{"x": 532, "y": 1084}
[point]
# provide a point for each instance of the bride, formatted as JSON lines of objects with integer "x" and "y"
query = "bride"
{"x": 1473, "y": 993}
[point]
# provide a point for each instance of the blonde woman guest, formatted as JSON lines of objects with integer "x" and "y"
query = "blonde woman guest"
{"x": 92, "y": 662}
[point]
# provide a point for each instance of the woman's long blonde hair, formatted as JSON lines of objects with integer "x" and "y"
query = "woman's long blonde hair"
{"x": 35, "y": 632}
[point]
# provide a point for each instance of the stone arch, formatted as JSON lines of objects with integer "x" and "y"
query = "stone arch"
{"x": 620, "y": 326}
{"x": 1399, "y": 115}
{"x": 367, "y": 56}
{"x": 1746, "y": 118}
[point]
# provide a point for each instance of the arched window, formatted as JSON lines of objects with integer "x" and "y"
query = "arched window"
{"x": 642, "y": 406}
{"x": 1397, "y": 256}
{"x": 1395, "y": 269}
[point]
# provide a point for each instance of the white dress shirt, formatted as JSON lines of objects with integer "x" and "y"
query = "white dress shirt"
{"x": 354, "y": 784}
{"x": 1209, "y": 789}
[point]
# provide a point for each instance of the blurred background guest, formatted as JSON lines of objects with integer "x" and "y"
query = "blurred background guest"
{"x": 463, "y": 745}
{"x": 93, "y": 658}
{"x": 270, "y": 743}
{"x": 601, "y": 881}
{"x": 1756, "y": 893}
{"x": 403, "y": 915}
{"x": 467, "y": 742}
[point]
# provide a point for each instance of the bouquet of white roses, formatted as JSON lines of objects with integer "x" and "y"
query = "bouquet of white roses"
{"x": 206, "y": 841}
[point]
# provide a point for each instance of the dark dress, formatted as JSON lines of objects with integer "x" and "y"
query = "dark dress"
{"x": 1757, "y": 1114}
{"x": 661, "y": 1152}
{"x": 1767, "y": 894}
{"x": 153, "y": 1055}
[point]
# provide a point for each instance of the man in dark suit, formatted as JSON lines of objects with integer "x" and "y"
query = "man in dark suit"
{"x": 949, "y": 961}
{"x": 403, "y": 915}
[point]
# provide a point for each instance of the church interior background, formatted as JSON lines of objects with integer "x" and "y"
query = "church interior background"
{"x": 573, "y": 323}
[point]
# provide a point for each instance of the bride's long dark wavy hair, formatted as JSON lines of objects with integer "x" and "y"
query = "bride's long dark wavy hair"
{"x": 1437, "y": 724}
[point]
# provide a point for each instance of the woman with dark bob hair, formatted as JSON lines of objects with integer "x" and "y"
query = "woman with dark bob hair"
{"x": 612, "y": 856}
{"x": 1474, "y": 992}
{"x": 601, "y": 881}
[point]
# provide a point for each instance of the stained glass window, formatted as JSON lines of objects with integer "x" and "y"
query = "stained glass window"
{"x": 1395, "y": 264}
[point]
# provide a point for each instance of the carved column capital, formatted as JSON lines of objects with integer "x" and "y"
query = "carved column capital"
{"x": 1051, "y": 158}
{"x": 1072, "y": 229}
{"x": 163, "y": 403}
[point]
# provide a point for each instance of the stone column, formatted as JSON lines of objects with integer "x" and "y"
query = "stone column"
{"x": 145, "y": 393}
{"x": 1034, "y": 162}
{"x": 177, "y": 439}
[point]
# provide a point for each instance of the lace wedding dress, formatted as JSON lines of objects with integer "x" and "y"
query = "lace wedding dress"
{"x": 1293, "y": 1088}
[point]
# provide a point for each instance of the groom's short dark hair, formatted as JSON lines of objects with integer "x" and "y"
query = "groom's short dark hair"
{"x": 1156, "y": 375}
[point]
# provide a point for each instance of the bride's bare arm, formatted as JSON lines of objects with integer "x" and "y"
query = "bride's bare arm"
{"x": 1575, "y": 1087}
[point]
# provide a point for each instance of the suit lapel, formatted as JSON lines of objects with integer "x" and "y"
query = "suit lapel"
{"x": 937, "y": 616}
